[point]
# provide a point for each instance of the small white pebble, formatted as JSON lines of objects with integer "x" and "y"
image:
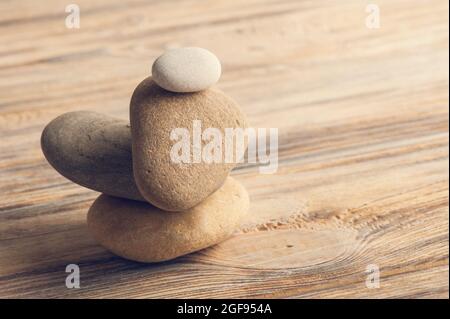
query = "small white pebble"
{"x": 188, "y": 69}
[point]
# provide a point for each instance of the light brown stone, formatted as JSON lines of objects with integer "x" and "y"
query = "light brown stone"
{"x": 154, "y": 113}
{"x": 142, "y": 232}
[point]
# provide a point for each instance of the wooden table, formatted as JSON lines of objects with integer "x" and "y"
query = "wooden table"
{"x": 363, "y": 127}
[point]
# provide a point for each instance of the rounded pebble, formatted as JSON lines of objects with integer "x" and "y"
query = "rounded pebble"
{"x": 92, "y": 150}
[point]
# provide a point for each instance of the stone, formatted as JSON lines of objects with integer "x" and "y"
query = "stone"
{"x": 155, "y": 114}
{"x": 92, "y": 150}
{"x": 186, "y": 70}
{"x": 141, "y": 232}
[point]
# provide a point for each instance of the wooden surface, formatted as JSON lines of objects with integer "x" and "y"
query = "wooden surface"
{"x": 363, "y": 123}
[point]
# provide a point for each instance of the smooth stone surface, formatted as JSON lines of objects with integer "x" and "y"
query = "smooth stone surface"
{"x": 154, "y": 113}
{"x": 186, "y": 70}
{"x": 141, "y": 232}
{"x": 93, "y": 150}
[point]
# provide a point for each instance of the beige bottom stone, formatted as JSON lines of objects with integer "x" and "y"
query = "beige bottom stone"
{"x": 141, "y": 232}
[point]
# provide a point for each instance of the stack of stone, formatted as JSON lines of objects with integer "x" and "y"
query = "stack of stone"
{"x": 152, "y": 207}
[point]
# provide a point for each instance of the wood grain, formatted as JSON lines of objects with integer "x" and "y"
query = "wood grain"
{"x": 363, "y": 159}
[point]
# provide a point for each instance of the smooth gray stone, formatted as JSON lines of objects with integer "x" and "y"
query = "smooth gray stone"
{"x": 92, "y": 150}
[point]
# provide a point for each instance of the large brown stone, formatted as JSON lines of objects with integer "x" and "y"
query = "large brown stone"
{"x": 154, "y": 114}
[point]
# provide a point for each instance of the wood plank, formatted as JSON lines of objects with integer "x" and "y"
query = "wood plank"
{"x": 363, "y": 156}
